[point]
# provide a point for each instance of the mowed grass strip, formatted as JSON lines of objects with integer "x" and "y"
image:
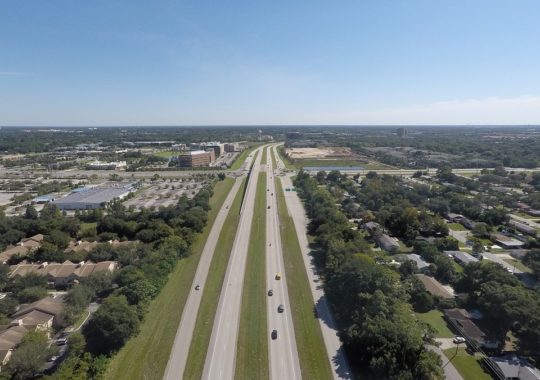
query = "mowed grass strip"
{"x": 252, "y": 345}
{"x": 467, "y": 365}
{"x": 263, "y": 158}
{"x": 314, "y": 361}
{"x": 212, "y": 290}
{"x": 146, "y": 355}
{"x": 242, "y": 157}
{"x": 273, "y": 156}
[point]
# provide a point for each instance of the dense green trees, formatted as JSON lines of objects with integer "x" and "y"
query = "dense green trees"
{"x": 369, "y": 302}
{"x": 30, "y": 356}
{"x": 111, "y": 325}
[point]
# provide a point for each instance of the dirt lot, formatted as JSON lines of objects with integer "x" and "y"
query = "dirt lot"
{"x": 328, "y": 152}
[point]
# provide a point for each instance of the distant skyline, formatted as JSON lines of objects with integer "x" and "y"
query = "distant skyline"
{"x": 141, "y": 63}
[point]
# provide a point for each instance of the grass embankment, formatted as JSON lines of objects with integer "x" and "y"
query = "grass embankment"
{"x": 435, "y": 319}
{"x": 264, "y": 154}
{"x": 146, "y": 355}
{"x": 311, "y": 349}
{"x": 467, "y": 365}
{"x": 286, "y": 160}
{"x": 212, "y": 291}
{"x": 252, "y": 345}
{"x": 242, "y": 157}
{"x": 273, "y": 156}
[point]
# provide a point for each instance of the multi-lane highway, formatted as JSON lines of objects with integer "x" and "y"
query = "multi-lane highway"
{"x": 221, "y": 354}
{"x": 334, "y": 348}
{"x": 284, "y": 362}
{"x": 177, "y": 360}
{"x": 179, "y": 354}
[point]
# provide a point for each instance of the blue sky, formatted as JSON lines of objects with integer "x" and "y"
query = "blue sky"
{"x": 269, "y": 62}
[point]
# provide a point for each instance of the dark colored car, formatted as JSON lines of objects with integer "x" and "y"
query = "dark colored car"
{"x": 270, "y": 292}
{"x": 274, "y": 334}
{"x": 198, "y": 287}
{"x": 280, "y": 308}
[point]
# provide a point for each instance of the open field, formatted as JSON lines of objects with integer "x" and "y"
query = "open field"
{"x": 146, "y": 355}
{"x": 318, "y": 153}
{"x": 434, "y": 319}
{"x": 167, "y": 153}
{"x": 467, "y": 365}
{"x": 252, "y": 348}
{"x": 212, "y": 291}
{"x": 311, "y": 349}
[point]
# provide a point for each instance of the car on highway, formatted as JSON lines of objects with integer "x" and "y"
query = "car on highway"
{"x": 280, "y": 309}
{"x": 268, "y": 207}
{"x": 270, "y": 292}
{"x": 278, "y": 276}
{"x": 274, "y": 334}
{"x": 197, "y": 287}
{"x": 459, "y": 339}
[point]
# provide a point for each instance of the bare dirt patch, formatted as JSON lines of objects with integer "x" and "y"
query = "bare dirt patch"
{"x": 327, "y": 152}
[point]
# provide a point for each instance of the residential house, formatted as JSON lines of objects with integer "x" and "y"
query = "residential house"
{"x": 522, "y": 227}
{"x": 421, "y": 264}
{"x": 23, "y": 248}
{"x": 10, "y": 338}
{"x": 513, "y": 367}
{"x": 63, "y": 274}
{"x": 435, "y": 288}
{"x": 461, "y": 257}
{"x": 43, "y": 314}
{"x": 506, "y": 241}
{"x": 387, "y": 243}
{"x": 463, "y": 324}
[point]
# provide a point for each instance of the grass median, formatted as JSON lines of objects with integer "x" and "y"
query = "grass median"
{"x": 146, "y": 355}
{"x": 314, "y": 361}
{"x": 212, "y": 290}
{"x": 242, "y": 157}
{"x": 263, "y": 158}
{"x": 252, "y": 345}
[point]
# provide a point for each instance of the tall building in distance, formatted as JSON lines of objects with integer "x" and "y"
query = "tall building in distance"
{"x": 402, "y": 132}
{"x": 196, "y": 158}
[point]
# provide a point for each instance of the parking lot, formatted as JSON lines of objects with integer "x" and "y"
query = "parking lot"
{"x": 163, "y": 193}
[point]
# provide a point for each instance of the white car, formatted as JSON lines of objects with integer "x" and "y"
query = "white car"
{"x": 459, "y": 339}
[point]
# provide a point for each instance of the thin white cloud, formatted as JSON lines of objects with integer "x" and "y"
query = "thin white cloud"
{"x": 10, "y": 73}
{"x": 493, "y": 111}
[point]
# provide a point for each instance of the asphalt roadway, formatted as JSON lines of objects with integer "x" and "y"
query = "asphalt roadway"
{"x": 334, "y": 348}
{"x": 77, "y": 173}
{"x": 284, "y": 362}
{"x": 182, "y": 341}
{"x": 221, "y": 354}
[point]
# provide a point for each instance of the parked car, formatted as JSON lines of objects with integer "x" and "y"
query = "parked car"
{"x": 61, "y": 341}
